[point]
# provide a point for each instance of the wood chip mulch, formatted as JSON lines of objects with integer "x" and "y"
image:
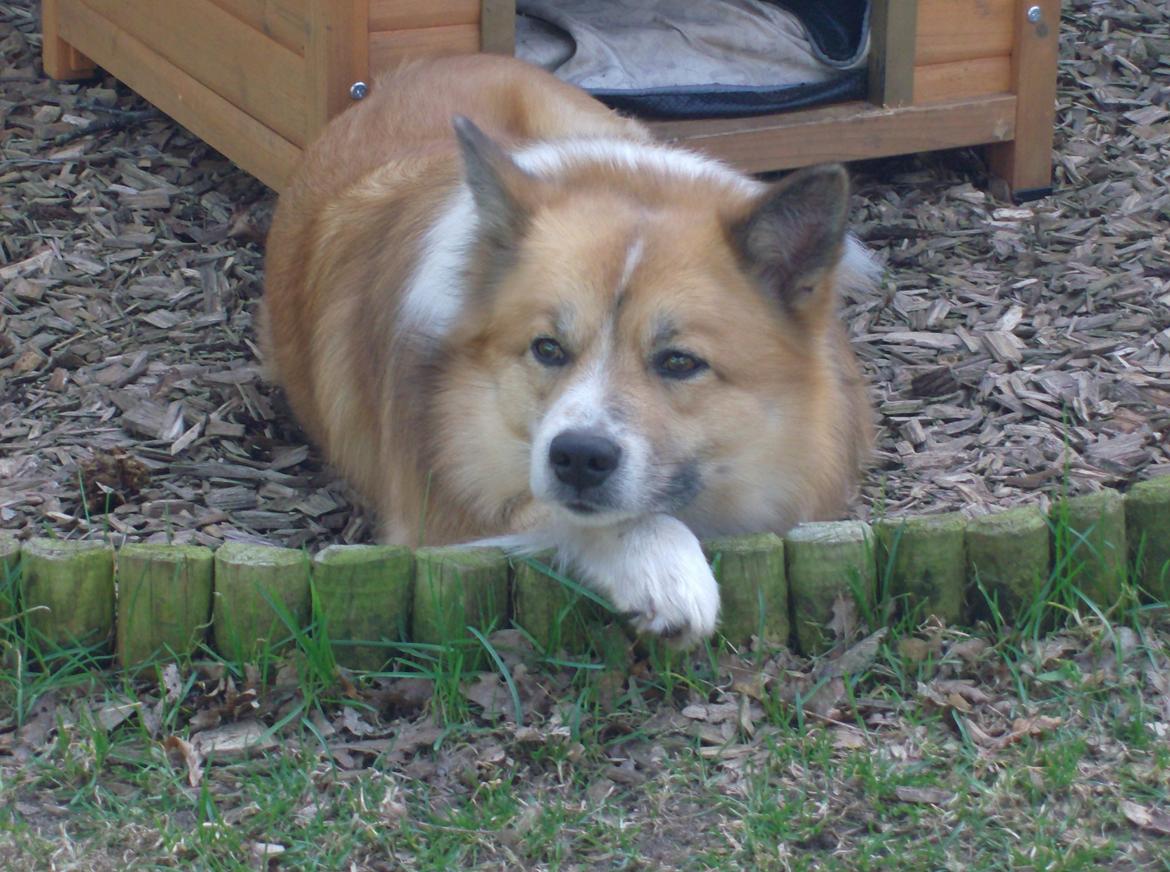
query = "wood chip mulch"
{"x": 1016, "y": 351}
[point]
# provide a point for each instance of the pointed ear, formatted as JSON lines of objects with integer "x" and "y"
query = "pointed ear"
{"x": 796, "y": 232}
{"x": 502, "y": 191}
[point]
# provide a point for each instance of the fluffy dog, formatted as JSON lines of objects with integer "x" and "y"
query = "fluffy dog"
{"x": 507, "y": 313}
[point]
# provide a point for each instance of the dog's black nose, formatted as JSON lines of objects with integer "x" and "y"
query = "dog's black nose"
{"x": 582, "y": 459}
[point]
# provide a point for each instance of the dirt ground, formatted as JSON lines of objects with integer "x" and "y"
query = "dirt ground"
{"x": 1014, "y": 351}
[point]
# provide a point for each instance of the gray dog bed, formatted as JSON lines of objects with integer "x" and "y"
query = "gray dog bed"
{"x": 700, "y": 58}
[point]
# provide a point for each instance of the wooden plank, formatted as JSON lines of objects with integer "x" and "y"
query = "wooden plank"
{"x": 243, "y": 139}
{"x": 337, "y": 56}
{"x": 1026, "y": 164}
{"x": 412, "y": 15}
{"x": 497, "y": 27}
{"x": 956, "y": 30}
{"x": 849, "y": 131}
{"x": 285, "y": 21}
{"x": 961, "y": 79}
{"x": 388, "y": 48}
{"x": 893, "y": 27}
{"x": 257, "y": 75}
{"x": 60, "y": 59}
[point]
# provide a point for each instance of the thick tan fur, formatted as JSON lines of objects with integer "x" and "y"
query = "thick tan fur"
{"x": 437, "y": 439}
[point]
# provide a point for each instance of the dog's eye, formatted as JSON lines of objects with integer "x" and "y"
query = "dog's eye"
{"x": 549, "y": 352}
{"x": 678, "y": 364}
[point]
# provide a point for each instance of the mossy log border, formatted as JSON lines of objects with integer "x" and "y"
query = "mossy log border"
{"x": 68, "y": 592}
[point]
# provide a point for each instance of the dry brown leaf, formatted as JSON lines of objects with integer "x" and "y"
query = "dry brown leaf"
{"x": 172, "y": 682}
{"x": 843, "y": 621}
{"x": 924, "y": 795}
{"x": 489, "y": 692}
{"x": 962, "y": 688}
{"x": 231, "y": 740}
{"x": 114, "y": 714}
{"x": 1148, "y": 819}
{"x": 746, "y": 679}
{"x": 265, "y": 851}
{"x": 848, "y": 738}
{"x": 856, "y": 659}
{"x": 1034, "y": 726}
{"x": 180, "y": 748}
{"x": 969, "y": 650}
{"x": 918, "y": 650}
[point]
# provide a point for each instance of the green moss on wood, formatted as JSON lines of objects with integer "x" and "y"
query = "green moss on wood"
{"x": 67, "y": 591}
{"x": 1008, "y": 553}
{"x": 458, "y": 587}
{"x": 557, "y": 616}
{"x": 924, "y": 563}
{"x": 825, "y": 561}
{"x": 364, "y": 595}
{"x": 753, "y": 588}
{"x": 1147, "y": 530}
{"x": 164, "y": 600}
{"x": 1091, "y": 544}
{"x": 9, "y": 573}
{"x": 259, "y": 590}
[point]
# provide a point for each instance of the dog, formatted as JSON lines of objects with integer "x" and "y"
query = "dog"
{"x": 508, "y": 315}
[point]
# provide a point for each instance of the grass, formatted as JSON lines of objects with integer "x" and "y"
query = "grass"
{"x": 1014, "y": 747}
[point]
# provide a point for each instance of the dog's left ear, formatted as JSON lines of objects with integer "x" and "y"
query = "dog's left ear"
{"x": 796, "y": 232}
{"x": 503, "y": 192}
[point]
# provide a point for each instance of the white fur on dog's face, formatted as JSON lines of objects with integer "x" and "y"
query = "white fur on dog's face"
{"x": 615, "y": 295}
{"x": 621, "y": 271}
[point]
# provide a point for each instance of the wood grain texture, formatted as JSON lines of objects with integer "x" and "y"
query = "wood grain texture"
{"x": 956, "y": 30}
{"x": 285, "y": 21}
{"x": 962, "y": 79}
{"x": 255, "y": 74}
{"x": 337, "y": 55}
{"x": 254, "y": 146}
{"x": 388, "y": 48}
{"x": 412, "y": 15}
{"x": 497, "y": 27}
{"x": 60, "y": 59}
{"x": 893, "y": 29}
{"x": 849, "y": 131}
{"x": 1025, "y": 164}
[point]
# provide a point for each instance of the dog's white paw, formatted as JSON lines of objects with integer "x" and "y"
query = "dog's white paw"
{"x": 655, "y": 572}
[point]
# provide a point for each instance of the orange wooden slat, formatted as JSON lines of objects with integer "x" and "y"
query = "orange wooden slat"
{"x": 956, "y": 30}
{"x": 848, "y": 131}
{"x": 389, "y": 47}
{"x": 336, "y": 57}
{"x": 413, "y": 15}
{"x": 285, "y": 21}
{"x": 959, "y": 79}
{"x": 243, "y": 139}
{"x": 256, "y": 74}
{"x": 60, "y": 59}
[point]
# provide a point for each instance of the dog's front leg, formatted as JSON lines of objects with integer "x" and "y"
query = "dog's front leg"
{"x": 652, "y": 569}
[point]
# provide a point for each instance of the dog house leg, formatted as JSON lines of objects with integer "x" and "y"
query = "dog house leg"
{"x": 59, "y": 58}
{"x": 1024, "y": 165}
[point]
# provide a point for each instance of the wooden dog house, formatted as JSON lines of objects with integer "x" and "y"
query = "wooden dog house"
{"x": 257, "y": 79}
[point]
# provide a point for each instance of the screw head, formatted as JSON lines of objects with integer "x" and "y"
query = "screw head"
{"x": 1035, "y": 14}
{"x": 358, "y": 90}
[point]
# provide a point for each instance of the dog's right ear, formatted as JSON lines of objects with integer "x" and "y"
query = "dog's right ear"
{"x": 503, "y": 192}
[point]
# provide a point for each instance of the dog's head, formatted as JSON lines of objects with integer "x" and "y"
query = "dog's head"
{"x": 649, "y": 332}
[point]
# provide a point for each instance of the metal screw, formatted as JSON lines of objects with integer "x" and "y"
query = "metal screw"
{"x": 1035, "y": 14}
{"x": 358, "y": 90}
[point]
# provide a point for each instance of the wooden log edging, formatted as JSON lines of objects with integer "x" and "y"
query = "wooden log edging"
{"x": 148, "y": 601}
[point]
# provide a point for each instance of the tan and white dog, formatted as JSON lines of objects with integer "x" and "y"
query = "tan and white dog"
{"x": 507, "y": 313}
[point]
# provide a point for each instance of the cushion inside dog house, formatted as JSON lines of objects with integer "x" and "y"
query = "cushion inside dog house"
{"x": 701, "y": 58}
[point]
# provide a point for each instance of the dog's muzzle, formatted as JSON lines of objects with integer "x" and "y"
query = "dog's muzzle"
{"x": 583, "y": 462}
